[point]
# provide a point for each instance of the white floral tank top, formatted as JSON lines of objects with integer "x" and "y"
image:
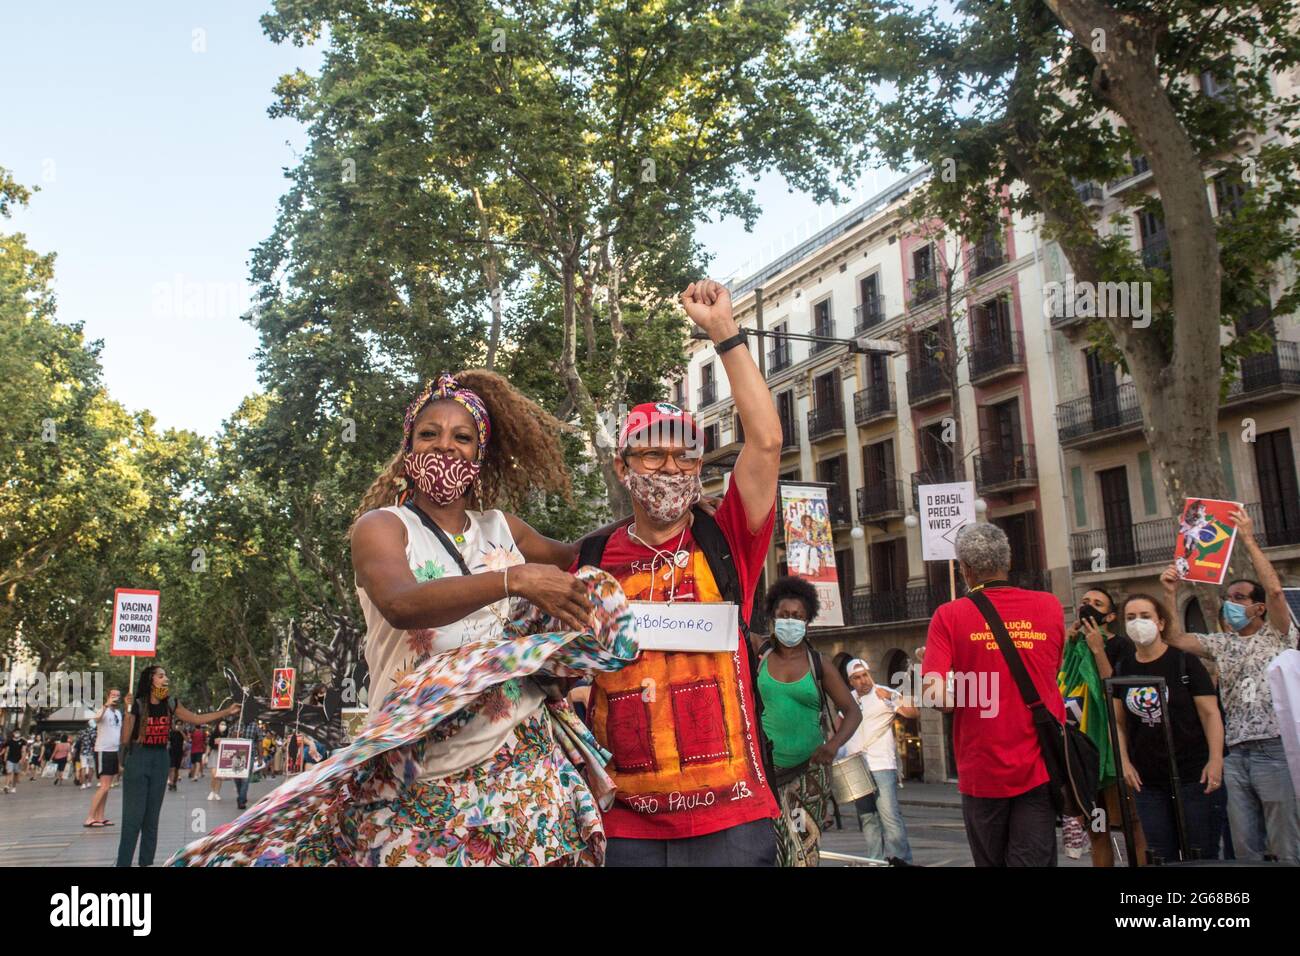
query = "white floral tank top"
{"x": 391, "y": 653}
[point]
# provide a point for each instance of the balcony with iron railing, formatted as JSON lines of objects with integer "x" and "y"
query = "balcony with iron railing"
{"x": 1152, "y": 542}
{"x": 826, "y": 421}
{"x": 927, "y": 383}
{"x": 868, "y": 315}
{"x": 789, "y": 435}
{"x": 892, "y": 607}
{"x": 922, "y": 289}
{"x": 935, "y": 475}
{"x": 708, "y": 394}
{"x": 778, "y": 358}
{"x": 995, "y": 356}
{"x": 1089, "y": 193}
{"x": 880, "y": 500}
{"x": 1000, "y": 468}
{"x": 1142, "y": 542}
{"x": 1086, "y": 420}
{"x": 1155, "y": 252}
{"x": 874, "y": 403}
{"x": 825, "y": 330}
{"x": 1267, "y": 376}
{"x": 1139, "y": 170}
{"x": 987, "y": 256}
{"x": 837, "y": 504}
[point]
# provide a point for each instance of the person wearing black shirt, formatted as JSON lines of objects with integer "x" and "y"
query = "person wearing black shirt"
{"x": 175, "y": 754}
{"x": 14, "y": 748}
{"x": 1095, "y": 624}
{"x": 147, "y": 728}
{"x": 1192, "y": 710}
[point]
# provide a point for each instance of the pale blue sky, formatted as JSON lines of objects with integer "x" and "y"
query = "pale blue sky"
{"x": 159, "y": 171}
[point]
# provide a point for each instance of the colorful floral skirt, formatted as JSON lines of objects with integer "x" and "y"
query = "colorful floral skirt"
{"x": 527, "y": 806}
{"x": 804, "y": 802}
{"x": 367, "y": 804}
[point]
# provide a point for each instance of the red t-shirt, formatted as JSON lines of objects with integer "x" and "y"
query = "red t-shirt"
{"x": 197, "y": 741}
{"x": 993, "y": 735}
{"x": 681, "y": 725}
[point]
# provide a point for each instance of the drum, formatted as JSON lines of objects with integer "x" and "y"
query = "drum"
{"x": 850, "y": 779}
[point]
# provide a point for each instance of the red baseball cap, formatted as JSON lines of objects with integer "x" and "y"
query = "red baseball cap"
{"x": 665, "y": 421}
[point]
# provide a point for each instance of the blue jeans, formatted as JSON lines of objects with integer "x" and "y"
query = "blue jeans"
{"x": 1155, "y": 808}
{"x": 881, "y": 819}
{"x": 241, "y": 790}
{"x": 1262, "y": 809}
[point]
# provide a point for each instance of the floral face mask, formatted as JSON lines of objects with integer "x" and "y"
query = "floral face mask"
{"x": 664, "y": 497}
{"x": 444, "y": 478}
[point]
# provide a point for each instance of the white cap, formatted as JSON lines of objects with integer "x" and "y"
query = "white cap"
{"x": 856, "y": 664}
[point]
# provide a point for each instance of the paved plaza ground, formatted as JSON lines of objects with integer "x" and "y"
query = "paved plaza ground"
{"x": 41, "y": 825}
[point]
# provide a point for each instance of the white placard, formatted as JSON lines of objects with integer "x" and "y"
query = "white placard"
{"x": 709, "y": 626}
{"x": 135, "y": 623}
{"x": 945, "y": 509}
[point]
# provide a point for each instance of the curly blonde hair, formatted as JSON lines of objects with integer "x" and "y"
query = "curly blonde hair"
{"x": 523, "y": 455}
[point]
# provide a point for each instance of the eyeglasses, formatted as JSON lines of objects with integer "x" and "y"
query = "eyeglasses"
{"x": 654, "y": 459}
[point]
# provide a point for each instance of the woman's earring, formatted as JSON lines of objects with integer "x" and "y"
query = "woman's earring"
{"x": 478, "y": 491}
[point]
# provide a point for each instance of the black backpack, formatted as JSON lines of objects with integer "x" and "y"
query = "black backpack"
{"x": 717, "y": 552}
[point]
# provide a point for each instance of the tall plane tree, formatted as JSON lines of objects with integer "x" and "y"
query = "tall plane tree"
{"x": 1037, "y": 97}
{"x": 573, "y": 145}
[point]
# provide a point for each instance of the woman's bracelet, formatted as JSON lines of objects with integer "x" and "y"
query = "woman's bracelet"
{"x": 505, "y": 580}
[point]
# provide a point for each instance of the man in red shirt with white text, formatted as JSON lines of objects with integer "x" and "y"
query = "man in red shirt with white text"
{"x": 1003, "y": 781}
{"x": 683, "y": 725}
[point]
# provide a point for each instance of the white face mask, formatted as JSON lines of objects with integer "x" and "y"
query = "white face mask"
{"x": 1143, "y": 631}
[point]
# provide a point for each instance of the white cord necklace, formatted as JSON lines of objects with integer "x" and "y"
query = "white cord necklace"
{"x": 671, "y": 557}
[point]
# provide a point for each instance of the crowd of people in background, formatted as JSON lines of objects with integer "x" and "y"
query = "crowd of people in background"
{"x": 92, "y": 757}
{"x": 1216, "y": 709}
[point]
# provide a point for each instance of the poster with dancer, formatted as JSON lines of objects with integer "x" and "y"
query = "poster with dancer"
{"x": 1206, "y": 533}
{"x": 282, "y": 689}
{"x": 810, "y": 547}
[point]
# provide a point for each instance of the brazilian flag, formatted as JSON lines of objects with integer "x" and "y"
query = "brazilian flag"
{"x": 1081, "y": 689}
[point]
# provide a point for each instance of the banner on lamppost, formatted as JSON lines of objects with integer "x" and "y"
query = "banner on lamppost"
{"x": 810, "y": 546}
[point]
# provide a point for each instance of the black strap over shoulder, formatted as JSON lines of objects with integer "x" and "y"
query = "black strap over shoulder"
{"x": 717, "y": 552}
{"x": 443, "y": 539}
{"x": 1012, "y": 656}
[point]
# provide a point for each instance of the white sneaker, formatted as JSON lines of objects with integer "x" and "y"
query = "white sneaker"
{"x": 216, "y": 796}
{"x": 210, "y": 794}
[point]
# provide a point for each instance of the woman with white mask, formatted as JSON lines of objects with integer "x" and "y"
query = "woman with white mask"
{"x": 802, "y": 700}
{"x": 1192, "y": 709}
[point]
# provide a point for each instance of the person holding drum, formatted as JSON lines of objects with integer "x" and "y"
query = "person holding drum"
{"x": 879, "y": 814}
{"x": 795, "y": 683}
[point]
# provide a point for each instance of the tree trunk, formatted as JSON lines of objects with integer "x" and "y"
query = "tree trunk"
{"x": 580, "y": 397}
{"x": 1177, "y": 388}
{"x": 489, "y": 263}
{"x": 948, "y": 331}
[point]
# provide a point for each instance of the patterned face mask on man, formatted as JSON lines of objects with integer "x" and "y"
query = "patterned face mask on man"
{"x": 664, "y": 497}
{"x": 444, "y": 478}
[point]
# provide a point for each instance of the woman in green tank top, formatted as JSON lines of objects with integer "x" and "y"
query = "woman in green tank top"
{"x": 805, "y": 732}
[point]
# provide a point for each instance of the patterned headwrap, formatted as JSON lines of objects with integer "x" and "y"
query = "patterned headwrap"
{"x": 447, "y": 387}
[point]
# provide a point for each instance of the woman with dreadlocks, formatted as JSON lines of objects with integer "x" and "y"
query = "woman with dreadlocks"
{"x": 467, "y": 760}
